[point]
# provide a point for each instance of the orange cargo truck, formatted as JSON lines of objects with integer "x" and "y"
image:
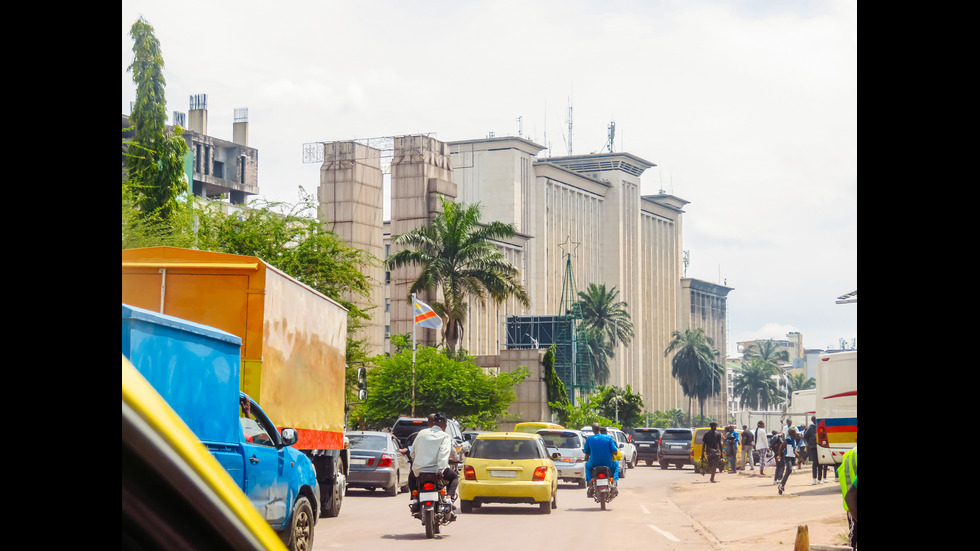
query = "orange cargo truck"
{"x": 293, "y": 341}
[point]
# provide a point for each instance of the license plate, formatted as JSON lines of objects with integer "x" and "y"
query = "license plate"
{"x": 357, "y": 461}
{"x": 428, "y": 496}
{"x": 504, "y": 474}
{"x": 602, "y": 482}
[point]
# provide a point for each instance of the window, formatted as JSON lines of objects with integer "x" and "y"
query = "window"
{"x": 256, "y": 428}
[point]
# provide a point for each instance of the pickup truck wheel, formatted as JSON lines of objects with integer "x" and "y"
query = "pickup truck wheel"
{"x": 299, "y": 536}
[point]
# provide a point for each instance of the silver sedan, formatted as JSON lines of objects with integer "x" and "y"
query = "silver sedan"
{"x": 376, "y": 463}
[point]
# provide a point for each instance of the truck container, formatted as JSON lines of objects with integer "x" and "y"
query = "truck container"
{"x": 293, "y": 347}
{"x": 196, "y": 370}
{"x": 836, "y": 406}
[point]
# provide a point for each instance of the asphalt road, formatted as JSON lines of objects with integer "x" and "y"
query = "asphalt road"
{"x": 656, "y": 509}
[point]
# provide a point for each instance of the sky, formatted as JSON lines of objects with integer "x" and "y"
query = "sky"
{"x": 748, "y": 109}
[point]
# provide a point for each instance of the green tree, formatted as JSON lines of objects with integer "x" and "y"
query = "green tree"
{"x": 694, "y": 361}
{"x": 799, "y": 381}
{"x": 602, "y": 311}
{"x": 461, "y": 389}
{"x": 754, "y": 385}
{"x": 584, "y": 413}
{"x": 766, "y": 350}
{"x": 600, "y": 352}
{"x": 155, "y": 157}
{"x": 620, "y": 404}
{"x": 457, "y": 256}
{"x": 556, "y": 388}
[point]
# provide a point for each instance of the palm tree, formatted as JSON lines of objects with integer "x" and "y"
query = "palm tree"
{"x": 600, "y": 352}
{"x": 766, "y": 350}
{"x": 456, "y": 254}
{"x": 602, "y": 311}
{"x": 754, "y": 385}
{"x": 694, "y": 363}
{"x": 799, "y": 381}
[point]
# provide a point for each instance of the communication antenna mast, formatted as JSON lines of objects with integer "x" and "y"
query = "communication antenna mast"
{"x": 520, "y": 127}
{"x": 687, "y": 261}
{"x": 612, "y": 135}
{"x": 569, "y": 126}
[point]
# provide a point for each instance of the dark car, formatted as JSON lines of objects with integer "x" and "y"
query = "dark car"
{"x": 647, "y": 443}
{"x": 376, "y": 463}
{"x": 675, "y": 447}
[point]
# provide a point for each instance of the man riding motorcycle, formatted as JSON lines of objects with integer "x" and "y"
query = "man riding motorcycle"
{"x": 431, "y": 452}
{"x": 599, "y": 450}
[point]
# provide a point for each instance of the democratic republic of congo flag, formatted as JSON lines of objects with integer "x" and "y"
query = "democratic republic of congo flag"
{"x": 425, "y": 317}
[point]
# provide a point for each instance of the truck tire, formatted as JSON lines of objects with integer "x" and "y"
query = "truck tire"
{"x": 299, "y": 535}
{"x": 331, "y": 507}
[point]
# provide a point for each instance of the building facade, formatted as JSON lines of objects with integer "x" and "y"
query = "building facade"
{"x": 587, "y": 206}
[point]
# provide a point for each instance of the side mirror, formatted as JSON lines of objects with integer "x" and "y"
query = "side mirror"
{"x": 621, "y": 445}
{"x": 289, "y": 437}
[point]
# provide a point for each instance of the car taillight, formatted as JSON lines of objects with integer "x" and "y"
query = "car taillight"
{"x": 469, "y": 473}
{"x": 385, "y": 460}
{"x": 539, "y": 474}
{"x": 822, "y": 434}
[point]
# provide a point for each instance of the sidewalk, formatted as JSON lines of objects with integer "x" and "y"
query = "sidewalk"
{"x": 744, "y": 511}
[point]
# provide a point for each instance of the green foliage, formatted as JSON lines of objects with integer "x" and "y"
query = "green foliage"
{"x": 754, "y": 384}
{"x": 456, "y": 254}
{"x": 584, "y": 413}
{"x": 694, "y": 364}
{"x": 620, "y": 404}
{"x": 605, "y": 323}
{"x": 556, "y": 388}
{"x": 460, "y": 388}
{"x": 155, "y": 157}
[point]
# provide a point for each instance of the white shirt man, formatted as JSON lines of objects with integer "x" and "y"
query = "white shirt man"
{"x": 431, "y": 450}
{"x": 761, "y": 444}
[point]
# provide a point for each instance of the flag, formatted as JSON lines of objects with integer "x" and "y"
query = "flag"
{"x": 425, "y": 317}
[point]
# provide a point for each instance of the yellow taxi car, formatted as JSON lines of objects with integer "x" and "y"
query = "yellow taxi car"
{"x": 509, "y": 467}
{"x": 697, "y": 444}
{"x": 175, "y": 494}
{"x": 533, "y": 427}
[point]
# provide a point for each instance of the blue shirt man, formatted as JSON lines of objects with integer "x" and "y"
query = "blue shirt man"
{"x": 600, "y": 449}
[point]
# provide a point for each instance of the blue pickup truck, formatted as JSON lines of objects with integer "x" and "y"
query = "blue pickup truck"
{"x": 196, "y": 369}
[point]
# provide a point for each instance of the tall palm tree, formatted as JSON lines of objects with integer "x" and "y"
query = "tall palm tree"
{"x": 600, "y": 352}
{"x": 602, "y": 310}
{"x": 456, "y": 254}
{"x": 754, "y": 385}
{"x": 693, "y": 364}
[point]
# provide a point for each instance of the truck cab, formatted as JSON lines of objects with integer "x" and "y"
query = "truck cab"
{"x": 196, "y": 369}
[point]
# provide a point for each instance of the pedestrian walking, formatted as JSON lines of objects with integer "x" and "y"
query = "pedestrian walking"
{"x": 847, "y": 475}
{"x": 712, "y": 448}
{"x": 788, "y": 451}
{"x": 748, "y": 448}
{"x": 775, "y": 444}
{"x": 731, "y": 448}
{"x": 761, "y": 443}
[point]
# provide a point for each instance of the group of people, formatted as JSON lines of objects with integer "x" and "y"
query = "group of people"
{"x": 790, "y": 447}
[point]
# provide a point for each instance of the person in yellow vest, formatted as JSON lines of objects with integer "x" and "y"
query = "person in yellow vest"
{"x": 847, "y": 474}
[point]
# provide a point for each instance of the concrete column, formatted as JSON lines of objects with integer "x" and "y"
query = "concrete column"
{"x": 351, "y": 203}
{"x": 421, "y": 172}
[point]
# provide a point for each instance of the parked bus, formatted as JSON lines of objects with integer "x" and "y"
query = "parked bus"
{"x": 836, "y": 406}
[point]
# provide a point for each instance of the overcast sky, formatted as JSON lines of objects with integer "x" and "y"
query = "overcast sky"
{"x": 748, "y": 109}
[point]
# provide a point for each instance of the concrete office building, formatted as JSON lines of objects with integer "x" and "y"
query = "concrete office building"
{"x": 587, "y": 205}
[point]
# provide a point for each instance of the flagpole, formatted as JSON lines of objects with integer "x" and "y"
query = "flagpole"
{"x": 413, "y": 354}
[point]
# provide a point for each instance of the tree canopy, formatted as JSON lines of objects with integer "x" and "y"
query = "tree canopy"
{"x": 456, "y": 255}
{"x": 460, "y": 388}
{"x": 154, "y": 157}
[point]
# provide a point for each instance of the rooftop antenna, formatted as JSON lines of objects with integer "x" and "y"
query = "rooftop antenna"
{"x": 612, "y": 135}
{"x": 520, "y": 127}
{"x": 569, "y": 125}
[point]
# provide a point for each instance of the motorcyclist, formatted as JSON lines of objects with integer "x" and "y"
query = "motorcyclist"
{"x": 431, "y": 453}
{"x": 599, "y": 450}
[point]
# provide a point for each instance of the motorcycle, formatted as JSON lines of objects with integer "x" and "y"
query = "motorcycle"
{"x": 603, "y": 487}
{"x": 434, "y": 507}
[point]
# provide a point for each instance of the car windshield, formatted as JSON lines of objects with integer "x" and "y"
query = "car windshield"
{"x": 646, "y": 436}
{"x": 494, "y": 448}
{"x": 373, "y": 442}
{"x": 675, "y": 435}
{"x": 567, "y": 440}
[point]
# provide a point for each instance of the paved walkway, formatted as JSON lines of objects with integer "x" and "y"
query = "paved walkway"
{"x": 744, "y": 511}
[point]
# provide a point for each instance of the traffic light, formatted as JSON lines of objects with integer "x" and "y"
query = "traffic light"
{"x": 361, "y": 384}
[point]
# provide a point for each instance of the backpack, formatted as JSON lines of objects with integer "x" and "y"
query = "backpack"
{"x": 747, "y": 438}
